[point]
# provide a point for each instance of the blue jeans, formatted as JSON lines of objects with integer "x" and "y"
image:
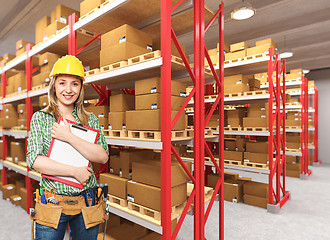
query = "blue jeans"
{"x": 77, "y": 229}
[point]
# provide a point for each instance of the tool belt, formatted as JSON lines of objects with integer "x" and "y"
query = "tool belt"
{"x": 49, "y": 214}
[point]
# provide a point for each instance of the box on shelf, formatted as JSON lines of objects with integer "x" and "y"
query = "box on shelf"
{"x": 292, "y": 145}
{"x": 21, "y": 122}
{"x": 230, "y": 145}
{"x": 240, "y": 143}
{"x": 233, "y": 155}
{"x": 126, "y": 34}
{"x": 120, "y": 52}
{"x": 99, "y": 111}
{"x": 10, "y": 87}
{"x": 256, "y": 189}
{"x": 40, "y": 29}
{"x": 53, "y": 28}
{"x": 257, "y": 147}
{"x": 292, "y": 123}
{"x": 236, "y": 79}
{"x": 16, "y": 200}
{"x": 10, "y": 110}
{"x": 235, "y": 117}
{"x": 8, "y": 190}
{"x": 88, "y": 5}
{"x": 20, "y": 82}
{"x": 150, "y": 197}
{"x": 256, "y": 157}
{"x": 48, "y": 58}
{"x": 17, "y": 150}
{"x": 152, "y": 85}
{"x": 118, "y": 185}
{"x": 296, "y": 71}
{"x": 8, "y": 122}
{"x": 238, "y": 46}
{"x": 43, "y": 101}
{"x": 148, "y": 172}
{"x": 267, "y": 41}
{"x": 259, "y": 50}
{"x": 117, "y": 121}
{"x": 115, "y": 165}
{"x": 255, "y": 122}
{"x": 254, "y": 83}
{"x": 121, "y": 102}
{"x": 61, "y": 14}
{"x": 236, "y": 88}
{"x": 7, "y": 57}
{"x": 235, "y": 55}
{"x": 152, "y": 101}
{"x": 104, "y": 123}
{"x": 258, "y": 110}
{"x": 226, "y": 47}
{"x": 149, "y": 120}
{"x": 293, "y": 137}
{"x": 20, "y": 46}
{"x": 233, "y": 191}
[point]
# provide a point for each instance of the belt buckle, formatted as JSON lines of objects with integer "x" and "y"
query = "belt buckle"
{"x": 71, "y": 202}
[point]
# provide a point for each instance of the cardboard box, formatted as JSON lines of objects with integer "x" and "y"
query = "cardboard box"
{"x": 236, "y": 88}
{"x": 293, "y": 167}
{"x": 20, "y": 52}
{"x": 233, "y": 155}
{"x": 235, "y": 117}
{"x": 52, "y": 29}
{"x": 8, "y": 57}
{"x": 212, "y": 180}
{"x": 104, "y": 123}
{"x": 88, "y": 5}
{"x": 21, "y": 44}
{"x": 256, "y": 157}
{"x": 291, "y": 123}
{"x": 150, "y": 196}
{"x": 43, "y": 101}
{"x": 257, "y": 189}
{"x": 152, "y": 85}
{"x": 8, "y": 190}
{"x": 99, "y": 111}
{"x": 152, "y": 236}
{"x": 267, "y": 41}
{"x": 35, "y": 80}
{"x": 10, "y": 111}
{"x": 257, "y": 147}
{"x": 255, "y": 122}
{"x": 293, "y": 137}
{"x": 123, "y": 231}
{"x": 259, "y": 50}
{"x": 150, "y": 120}
{"x": 233, "y": 191}
{"x": 117, "y": 120}
{"x": 235, "y": 55}
{"x": 44, "y": 74}
{"x": 254, "y": 83}
{"x": 152, "y": 101}
{"x": 20, "y": 82}
{"x": 61, "y": 14}
{"x": 17, "y": 150}
{"x": 114, "y": 165}
{"x": 297, "y": 71}
{"x": 10, "y": 87}
{"x": 236, "y": 79}
{"x": 21, "y": 108}
{"x": 120, "y": 52}
{"x": 238, "y": 46}
{"x": 8, "y": 122}
{"x": 16, "y": 200}
{"x": 293, "y": 145}
{"x": 118, "y": 185}
{"x": 256, "y": 201}
{"x": 226, "y": 47}
{"x": 149, "y": 171}
{"x": 126, "y": 34}
{"x": 122, "y": 102}
{"x": 48, "y": 58}
{"x": 174, "y": 50}
{"x": 230, "y": 145}
{"x": 40, "y": 28}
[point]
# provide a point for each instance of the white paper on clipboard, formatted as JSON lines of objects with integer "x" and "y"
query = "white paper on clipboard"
{"x": 63, "y": 152}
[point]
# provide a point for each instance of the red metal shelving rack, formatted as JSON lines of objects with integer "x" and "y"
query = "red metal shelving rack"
{"x": 316, "y": 160}
{"x": 4, "y": 141}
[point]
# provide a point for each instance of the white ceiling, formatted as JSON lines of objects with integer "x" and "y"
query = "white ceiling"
{"x": 303, "y": 23}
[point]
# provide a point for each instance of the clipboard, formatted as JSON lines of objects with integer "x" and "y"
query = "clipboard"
{"x": 63, "y": 152}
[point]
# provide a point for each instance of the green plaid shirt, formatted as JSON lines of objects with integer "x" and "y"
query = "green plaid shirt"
{"x": 39, "y": 142}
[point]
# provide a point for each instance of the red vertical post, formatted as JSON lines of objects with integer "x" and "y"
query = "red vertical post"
{"x": 316, "y": 124}
{"x": 270, "y": 126}
{"x": 302, "y": 145}
{"x": 284, "y": 126}
{"x": 306, "y": 125}
{"x": 166, "y": 119}
{"x": 199, "y": 118}
{"x": 221, "y": 121}
{"x": 29, "y": 112}
{"x": 4, "y": 141}
{"x": 278, "y": 128}
{"x": 72, "y": 35}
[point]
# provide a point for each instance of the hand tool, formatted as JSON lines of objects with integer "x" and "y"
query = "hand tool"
{"x": 105, "y": 192}
{"x": 43, "y": 197}
{"x": 37, "y": 196}
{"x": 52, "y": 198}
{"x": 89, "y": 193}
{"x": 107, "y": 212}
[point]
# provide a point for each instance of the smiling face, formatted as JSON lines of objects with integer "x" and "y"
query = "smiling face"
{"x": 67, "y": 90}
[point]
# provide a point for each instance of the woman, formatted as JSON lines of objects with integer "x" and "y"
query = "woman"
{"x": 65, "y": 96}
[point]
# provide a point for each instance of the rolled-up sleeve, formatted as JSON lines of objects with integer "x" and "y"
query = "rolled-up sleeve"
{"x": 35, "y": 146}
{"x": 95, "y": 123}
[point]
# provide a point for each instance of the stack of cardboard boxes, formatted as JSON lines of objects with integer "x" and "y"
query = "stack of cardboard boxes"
{"x": 17, "y": 150}
{"x": 101, "y": 112}
{"x": 146, "y": 115}
{"x": 123, "y": 43}
{"x": 256, "y": 194}
{"x": 48, "y": 26}
{"x": 237, "y": 50}
{"x": 20, "y": 47}
{"x": 262, "y": 47}
{"x": 293, "y": 166}
{"x": 21, "y": 110}
{"x": 10, "y": 118}
{"x": 236, "y": 84}
{"x": 235, "y": 117}
{"x": 256, "y": 152}
{"x": 119, "y": 104}
{"x": 16, "y": 83}
{"x": 88, "y": 5}
{"x": 257, "y": 115}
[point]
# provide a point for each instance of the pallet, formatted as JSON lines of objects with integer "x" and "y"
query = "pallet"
{"x": 155, "y": 135}
{"x": 256, "y": 165}
{"x": 234, "y": 129}
{"x": 18, "y": 128}
{"x": 245, "y": 94}
{"x": 292, "y": 127}
{"x": 113, "y": 66}
{"x": 96, "y": 9}
{"x": 255, "y": 129}
{"x": 22, "y": 164}
{"x": 42, "y": 86}
{"x": 208, "y": 191}
{"x": 260, "y": 55}
{"x": 233, "y": 162}
{"x": 117, "y": 200}
{"x": 144, "y": 57}
{"x": 16, "y": 93}
{"x": 92, "y": 72}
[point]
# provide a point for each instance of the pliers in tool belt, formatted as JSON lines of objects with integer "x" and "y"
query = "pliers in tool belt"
{"x": 89, "y": 193}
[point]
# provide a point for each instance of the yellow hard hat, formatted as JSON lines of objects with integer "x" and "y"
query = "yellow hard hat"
{"x": 68, "y": 65}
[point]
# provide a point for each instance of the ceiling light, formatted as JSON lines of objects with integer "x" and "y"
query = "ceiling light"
{"x": 305, "y": 71}
{"x": 243, "y": 11}
{"x": 286, "y": 53}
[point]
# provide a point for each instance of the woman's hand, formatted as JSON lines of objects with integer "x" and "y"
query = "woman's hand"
{"x": 82, "y": 174}
{"x": 61, "y": 132}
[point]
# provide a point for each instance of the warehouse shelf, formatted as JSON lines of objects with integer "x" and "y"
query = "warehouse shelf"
{"x": 135, "y": 143}
{"x": 39, "y": 92}
{"x": 16, "y": 98}
{"x": 14, "y": 62}
{"x": 34, "y": 175}
{"x": 247, "y": 133}
{"x": 18, "y": 134}
{"x": 292, "y": 152}
{"x": 15, "y": 167}
{"x": 289, "y": 83}
{"x": 298, "y": 93}
{"x": 311, "y": 147}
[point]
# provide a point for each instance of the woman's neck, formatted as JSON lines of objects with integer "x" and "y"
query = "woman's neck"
{"x": 65, "y": 110}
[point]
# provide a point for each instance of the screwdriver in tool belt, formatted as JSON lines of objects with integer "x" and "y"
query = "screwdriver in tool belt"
{"x": 99, "y": 192}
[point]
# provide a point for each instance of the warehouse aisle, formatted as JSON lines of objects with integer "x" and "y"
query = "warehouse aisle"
{"x": 305, "y": 216}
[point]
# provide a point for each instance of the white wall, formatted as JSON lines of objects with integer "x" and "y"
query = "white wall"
{"x": 322, "y": 82}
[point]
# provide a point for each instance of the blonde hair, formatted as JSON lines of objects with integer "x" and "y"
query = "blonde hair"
{"x": 52, "y": 107}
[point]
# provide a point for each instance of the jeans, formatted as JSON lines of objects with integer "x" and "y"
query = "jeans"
{"x": 77, "y": 229}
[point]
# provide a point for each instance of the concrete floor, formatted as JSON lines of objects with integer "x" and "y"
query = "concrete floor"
{"x": 305, "y": 216}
